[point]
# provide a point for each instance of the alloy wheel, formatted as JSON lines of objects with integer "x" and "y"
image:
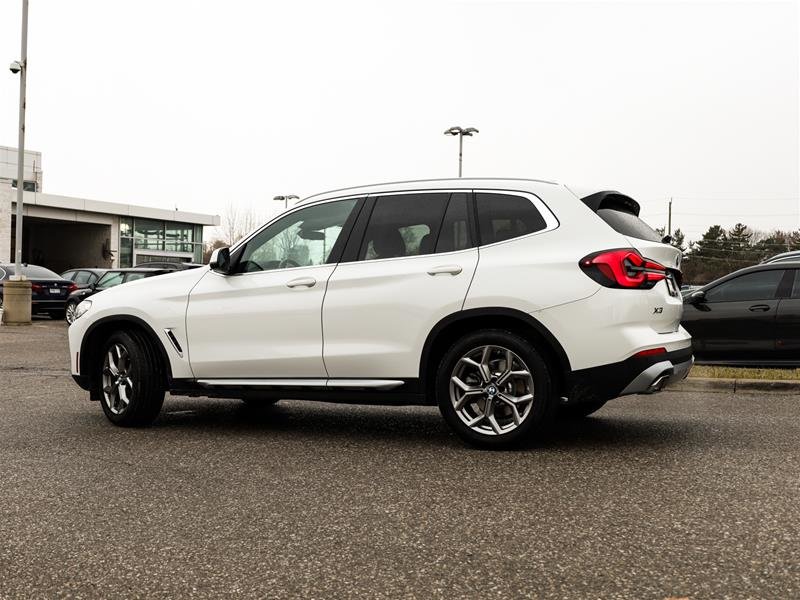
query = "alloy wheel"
{"x": 491, "y": 389}
{"x": 117, "y": 381}
{"x": 71, "y": 308}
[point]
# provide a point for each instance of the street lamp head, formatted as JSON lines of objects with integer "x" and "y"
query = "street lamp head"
{"x": 470, "y": 131}
{"x": 292, "y": 197}
{"x": 15, "y": 67}
{"x": 453, "y": 131}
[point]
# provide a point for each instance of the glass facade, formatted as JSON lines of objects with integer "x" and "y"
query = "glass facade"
{"x": 150, "y": 239}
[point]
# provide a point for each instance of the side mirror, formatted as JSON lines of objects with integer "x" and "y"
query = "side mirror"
{"x": 221, "y": 261}
{"x": 697, "y": 297}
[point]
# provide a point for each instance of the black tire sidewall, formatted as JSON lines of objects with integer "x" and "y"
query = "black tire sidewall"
{"x": 543, "y": 407}
{"x": 146, "y": 397}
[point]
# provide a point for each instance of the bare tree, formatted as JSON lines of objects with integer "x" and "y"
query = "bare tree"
{"x": 237, "y": 222}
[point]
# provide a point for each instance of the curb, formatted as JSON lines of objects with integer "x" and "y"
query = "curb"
{"x": 733, "y": 386}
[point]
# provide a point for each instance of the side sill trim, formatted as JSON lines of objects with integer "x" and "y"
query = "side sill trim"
{"x": 376, "y": 384}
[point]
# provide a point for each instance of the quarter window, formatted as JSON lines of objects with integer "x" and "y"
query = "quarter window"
{"x": 300, "y": 239}
{"x": 503, "y": 217}
{"x": 761, "y": 285}
{"x": 404, "y": 225}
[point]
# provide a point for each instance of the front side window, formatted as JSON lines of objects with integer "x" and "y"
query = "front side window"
{"x": 403, "y": 225}
{"x": 504, "y": 216}
{"x": 761, "y": 285}
{"x": 300, "y": 239}
{"x": 110, "y": 279}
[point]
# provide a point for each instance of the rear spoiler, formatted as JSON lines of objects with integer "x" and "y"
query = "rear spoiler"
{"x": 611, "y": 199}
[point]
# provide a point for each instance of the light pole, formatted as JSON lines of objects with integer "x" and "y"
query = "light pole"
{"x": 17, "y": 291}
{"x": 285, "y": 199}
{"x": 461, "y": 132}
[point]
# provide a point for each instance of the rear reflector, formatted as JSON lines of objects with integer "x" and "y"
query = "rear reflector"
{"x": 650, "y": 352}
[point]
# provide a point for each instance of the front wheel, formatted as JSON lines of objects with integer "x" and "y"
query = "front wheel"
{"x": 494, "y": 389}
{"x": 69, "y": 312}
{"x": 132, "y": 391}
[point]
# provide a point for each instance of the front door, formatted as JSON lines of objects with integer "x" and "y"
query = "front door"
{"x": 264, "y": 319}
{"x": 736, "y": 321}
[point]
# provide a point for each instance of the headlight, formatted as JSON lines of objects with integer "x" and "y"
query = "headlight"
{"x": 82, "y": 308}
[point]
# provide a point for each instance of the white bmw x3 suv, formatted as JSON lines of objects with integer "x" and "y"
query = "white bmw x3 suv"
{"x": 504, "y": 301}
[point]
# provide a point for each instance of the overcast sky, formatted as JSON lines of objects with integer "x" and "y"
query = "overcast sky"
{"x": 197, "y": 103}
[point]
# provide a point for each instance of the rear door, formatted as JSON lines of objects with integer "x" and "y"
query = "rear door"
{"x": 410, "y": 267}
{"x": 736, "y": 321}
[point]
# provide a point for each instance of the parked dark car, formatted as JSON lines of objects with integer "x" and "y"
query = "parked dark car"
{"x": 83, "y": 278}
{"x": 49, "y": 290}
{"x": 166, "y": 264}
{"x": 748, "y": 318}
{"x": 110, "y": 278}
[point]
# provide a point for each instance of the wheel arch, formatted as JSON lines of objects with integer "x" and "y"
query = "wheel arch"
{"x": 100, "y": 330}
{"x": 450, "y": 328}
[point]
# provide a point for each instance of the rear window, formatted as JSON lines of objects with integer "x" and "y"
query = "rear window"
{"x": 34, "y": 272}
{"x": 628, "y": 224}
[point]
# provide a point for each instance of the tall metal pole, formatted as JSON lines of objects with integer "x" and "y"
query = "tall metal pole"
{"x": 669, "y": 219}
{"x": 460, "y": 150}
{"x": 21, "y": 143}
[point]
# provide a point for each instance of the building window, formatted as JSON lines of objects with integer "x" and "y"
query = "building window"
{"x": 142, "y": 240}
{"x": 27, "y": 186}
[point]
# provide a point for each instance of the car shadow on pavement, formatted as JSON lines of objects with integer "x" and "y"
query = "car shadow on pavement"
{"x": 319, "y": 420}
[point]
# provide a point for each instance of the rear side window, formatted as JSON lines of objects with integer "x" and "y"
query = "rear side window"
{"x": 69, "y": 275}
{"x": 503, "y": 217}
{"x": 135, "y": 276}
{"x": 455, "y": 234}
{"x": 82, "y": 277}
{"x": 761, "y": 285}
{"x": 628, "y": 224}
{"x": 403, "y": 225}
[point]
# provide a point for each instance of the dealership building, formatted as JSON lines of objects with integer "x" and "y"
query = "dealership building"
{"x": 62, "y": 232}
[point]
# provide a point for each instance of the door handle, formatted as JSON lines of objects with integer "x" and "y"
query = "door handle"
{"x": 445, "y": 269}
{"x": 759, "y": 308}
{"x": 302, "y": 282}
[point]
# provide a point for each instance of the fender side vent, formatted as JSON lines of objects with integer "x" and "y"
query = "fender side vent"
{"x": 174, "y": 341}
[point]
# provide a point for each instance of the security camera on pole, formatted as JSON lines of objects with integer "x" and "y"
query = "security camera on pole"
{"x": 461, "y": 132}
{"x": 17, "y": 290}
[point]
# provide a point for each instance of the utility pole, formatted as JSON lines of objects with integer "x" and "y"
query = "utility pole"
{"x": 669, "y": 218}
{"x": 17, "y": 291}
{"x": 461, "y": 132}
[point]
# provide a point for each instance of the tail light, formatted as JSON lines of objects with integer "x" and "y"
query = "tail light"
{"x": 623, "y": 268}
{"x": 72, "y": 287}
{"x": 36, "y": 288}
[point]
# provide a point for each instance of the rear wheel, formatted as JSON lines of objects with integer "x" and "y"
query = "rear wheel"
{"x": 493, "y": 388}
{"x": 132, "y": 391}
{"x": 581, "y": 410}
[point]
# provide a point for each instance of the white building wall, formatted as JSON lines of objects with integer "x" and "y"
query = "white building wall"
{"x": 6, "y": 195}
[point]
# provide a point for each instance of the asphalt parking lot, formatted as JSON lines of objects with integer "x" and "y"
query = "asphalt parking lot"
{"x": 673, "y": 495}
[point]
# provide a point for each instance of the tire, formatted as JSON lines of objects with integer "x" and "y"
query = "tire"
{"x": 69, "y": 311}
{"x": 133, "y": 357}
{"x": 581, "y": 410}
{"x": 503, "y": 426}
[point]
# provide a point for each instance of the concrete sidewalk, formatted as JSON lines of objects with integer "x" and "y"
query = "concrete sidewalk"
{"x": 713, "y": 384}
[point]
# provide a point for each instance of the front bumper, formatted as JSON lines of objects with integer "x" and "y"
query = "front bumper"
{"x": 635, "y": 375}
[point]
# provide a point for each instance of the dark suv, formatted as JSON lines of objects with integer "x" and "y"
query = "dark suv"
{"x": 110, "y": 278}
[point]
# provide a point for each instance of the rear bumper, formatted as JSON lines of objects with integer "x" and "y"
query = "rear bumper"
{"x": 635, "y": 375}
{"x": 40, "y": 305}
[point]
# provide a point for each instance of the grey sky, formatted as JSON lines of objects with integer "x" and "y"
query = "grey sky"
{"x": 195, "y": 104}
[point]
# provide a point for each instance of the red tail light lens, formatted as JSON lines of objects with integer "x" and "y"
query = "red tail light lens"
{"x": 650, "y": 352}
{"x": 623, "y": 268}
{"x": 72, "y": 287}
{"x": 36, "y": 288}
